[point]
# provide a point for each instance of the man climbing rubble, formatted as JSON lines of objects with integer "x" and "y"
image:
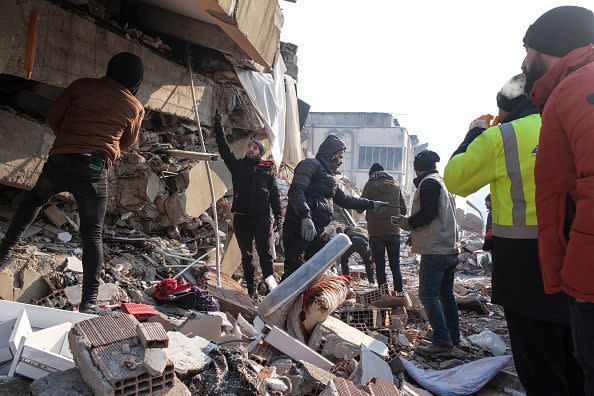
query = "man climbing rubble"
{"x": 313, "y": 193}
{"x": 360, "y": 245}
{"x": 385, "y": 236}
{"x": 255, "y": 193}
{"x": 93, "y": 120}
{"x": 434, "y": 236}
{"x": 503, "y": 155}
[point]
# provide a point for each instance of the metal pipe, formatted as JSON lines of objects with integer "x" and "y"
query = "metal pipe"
{"x": 193, "y": 263}
{"x": 212, "y": 193}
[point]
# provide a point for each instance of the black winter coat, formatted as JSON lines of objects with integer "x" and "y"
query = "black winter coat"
{"x": 314, "y": 188}
{"x": 254, "y": 184}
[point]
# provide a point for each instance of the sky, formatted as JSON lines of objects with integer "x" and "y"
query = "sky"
{"x": 435, "y": 65}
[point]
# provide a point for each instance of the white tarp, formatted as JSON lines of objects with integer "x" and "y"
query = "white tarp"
{"x": 293, "y": 152}
{"x": 267, "y": 93}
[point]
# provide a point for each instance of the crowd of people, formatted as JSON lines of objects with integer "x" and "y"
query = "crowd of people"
{"x": 536, "y": 156}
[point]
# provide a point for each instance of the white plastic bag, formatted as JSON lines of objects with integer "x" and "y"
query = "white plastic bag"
{"x": 466, "y": 379}
{"x": 489, "y": 340}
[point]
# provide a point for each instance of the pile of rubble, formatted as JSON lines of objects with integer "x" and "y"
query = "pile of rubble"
{"x": 314, "y": 334}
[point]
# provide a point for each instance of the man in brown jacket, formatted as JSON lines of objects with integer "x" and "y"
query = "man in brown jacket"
{"x": 383, "y": 235}
{"x": 93, "y": 120}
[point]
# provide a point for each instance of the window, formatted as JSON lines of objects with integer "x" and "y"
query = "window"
{"x": 389, "y": 157}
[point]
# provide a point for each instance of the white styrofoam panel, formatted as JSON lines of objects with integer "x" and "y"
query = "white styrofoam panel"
{"x": 41, "y": 317}
{"x": 21, "y": 329}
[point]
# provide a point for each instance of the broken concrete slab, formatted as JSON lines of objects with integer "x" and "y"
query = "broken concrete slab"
{"x": 61, "y": 383}
{"x": 207, "y": 327}
{"x": 335, "y": 339}
{"x": 274, "y": 307}
{"x": 188, "y": 355}
{"x": 371, "y": 366}
{"x": 6, "y": 328}
{"x": 155, "y": 360}
{"x": 294, "y": 348}
{"x": 109, "y": 293}
{"x": 166, "y": 322}
{"x": 340, "y": 387}
{"x": 25, "y": 146}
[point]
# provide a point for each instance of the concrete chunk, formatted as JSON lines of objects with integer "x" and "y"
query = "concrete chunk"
{"x": 208, "y": 327}
{"x": 188, "y": 355}
{"x": 61, "y": 383}
{"x": 155, "y": 360}
{"x": 371, "y": 366}
{"x": 335, "y": 339}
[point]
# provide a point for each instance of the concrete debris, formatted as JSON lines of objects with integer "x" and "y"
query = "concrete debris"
{"x": 109, "y": 293}
{"x": 61, "y": 383}
{"x": 371, "y": 366}
{"x": 155, "y": 361}
{"x": 207, "y": 327}
{"x": 152, "y": 335}
{"x": 188, "y": 354}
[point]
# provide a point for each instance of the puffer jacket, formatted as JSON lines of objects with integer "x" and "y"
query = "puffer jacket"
{"x": 382, "y": 187}
{"x": 254, "y": 184}
{"x": 564, "y": 175}
{"x": 315, "y": 189}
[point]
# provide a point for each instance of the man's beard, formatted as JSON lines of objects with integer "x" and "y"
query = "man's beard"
{"x": 252, "y": 160}
{"x": 537, "y": 70}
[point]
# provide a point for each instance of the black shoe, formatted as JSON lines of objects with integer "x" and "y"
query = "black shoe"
{"x": 252, "y": 292}
{"x": 93, "y": 309}
{"x": 6, "y": 251}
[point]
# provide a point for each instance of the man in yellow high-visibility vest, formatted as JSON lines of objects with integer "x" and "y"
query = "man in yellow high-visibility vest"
{"x": 503, "y": 155}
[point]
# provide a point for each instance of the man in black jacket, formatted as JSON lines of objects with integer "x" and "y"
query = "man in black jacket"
{"x": 255, "y": 192}
{"x": 313, "y": 192}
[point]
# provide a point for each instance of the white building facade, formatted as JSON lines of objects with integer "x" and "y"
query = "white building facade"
{"x": 370, "y": 138}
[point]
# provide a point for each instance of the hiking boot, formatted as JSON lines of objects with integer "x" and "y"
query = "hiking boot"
{"x": 434, "y": 350}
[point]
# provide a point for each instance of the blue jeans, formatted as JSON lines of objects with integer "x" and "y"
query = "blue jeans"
{"x": 379, "y": 246}
{"x": 436, "y": 284}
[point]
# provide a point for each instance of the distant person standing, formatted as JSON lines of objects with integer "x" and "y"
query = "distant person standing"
{"x": 488, "y": 244}
{"x": 434, "y": 236}
{"x": 383, "y": 235}
{"x": 93, "y": 120}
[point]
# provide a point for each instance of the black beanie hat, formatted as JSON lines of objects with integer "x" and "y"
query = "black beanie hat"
{"x": 426, "y": 160}
{"x": 561, "y": 30}
{"x": 375, "y": 167}
{"x": 260, "y": 146}
{"x": 127, "y": 69}
{"x": 512, "y": 93}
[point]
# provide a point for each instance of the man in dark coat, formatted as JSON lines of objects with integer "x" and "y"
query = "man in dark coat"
{"x": 255, "y": 192}
{"x": 313, "y": 193}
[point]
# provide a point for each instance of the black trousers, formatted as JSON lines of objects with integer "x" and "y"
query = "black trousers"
{"x": 544, "y": 356}
{"x": 247, "y": 229}
{"x": 297, "y": 250}
{"x": 86, "y": 178}
{"x": 361, "y": 247}
{"x": 581, "y": 315}
{"x": 379, "y": 246}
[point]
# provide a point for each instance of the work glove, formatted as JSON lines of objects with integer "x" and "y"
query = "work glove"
{"x": 380, "y": 206}
{"x": 218, "y": 118}
{"x": 277, "y": 225}
{"x": 484, "y": 122}
{"x": 402, "y": 222}
{"x": 308, "y": 229}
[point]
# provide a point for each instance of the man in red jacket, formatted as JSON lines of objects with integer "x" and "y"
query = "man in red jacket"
{"x": 559, "y": 68}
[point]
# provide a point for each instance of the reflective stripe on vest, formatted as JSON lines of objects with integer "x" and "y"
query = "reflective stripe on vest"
{"x": 519, "y": 230}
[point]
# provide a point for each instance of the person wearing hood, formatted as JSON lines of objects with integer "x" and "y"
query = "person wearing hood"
{"x": 313, "y": 192}
{"x": 93, "y": 120}
{"x": 383, "y": 234}
{"x": 559, "y": 68}
{"x": 435, "y": 238}
{"x": 503, "y": 156}
{"x": 255, "y": 196}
